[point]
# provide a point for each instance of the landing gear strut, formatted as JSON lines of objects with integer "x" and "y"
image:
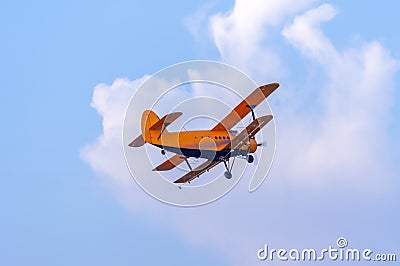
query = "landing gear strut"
{"x": 227, "y": 174}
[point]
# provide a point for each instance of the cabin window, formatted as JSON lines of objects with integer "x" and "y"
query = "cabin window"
{"x": 227, "y": 137}
{"x": 216, "y": 137}
{"x": 223, "y": 137}
{"x": 195, "y": 137}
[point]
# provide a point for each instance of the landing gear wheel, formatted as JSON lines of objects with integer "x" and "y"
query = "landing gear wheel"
{"x": 228, "y": 175}
{"x": 250, "y": 158}
{"x": 163, "y": 152}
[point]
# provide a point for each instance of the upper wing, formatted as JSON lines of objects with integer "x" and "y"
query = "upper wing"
{"x": 197, "y": 172}
{"x": 170, "y": 163}
{"x": 250, "y": 131}
{"x": 240, "y": 111}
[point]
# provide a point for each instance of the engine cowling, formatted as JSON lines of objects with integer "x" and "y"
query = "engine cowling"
{"x": 253, "y": 145}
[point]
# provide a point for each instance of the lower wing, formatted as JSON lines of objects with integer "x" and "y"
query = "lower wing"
{"x": 197, "y": 172}
{"x": 170, "y": 163}
{"x": 250, "y": 131}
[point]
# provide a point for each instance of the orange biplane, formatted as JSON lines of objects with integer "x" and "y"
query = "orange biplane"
{"x": 216, "y": 145}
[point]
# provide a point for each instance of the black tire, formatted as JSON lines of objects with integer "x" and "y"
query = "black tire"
{"x": 163, "y": 152}
{"x": 228, "y": 175}
{"x": 250, "y": 158}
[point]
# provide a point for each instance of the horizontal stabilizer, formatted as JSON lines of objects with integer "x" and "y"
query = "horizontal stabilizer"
{"x": 139, "y": 141}
{"x": 164, "y": 122}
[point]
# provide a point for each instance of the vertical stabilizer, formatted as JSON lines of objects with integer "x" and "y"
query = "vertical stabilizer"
{"x": 149, "y": 118}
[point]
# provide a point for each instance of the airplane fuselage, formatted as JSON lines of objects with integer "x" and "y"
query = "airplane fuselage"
{"x": 211, "y": 145}
{"x": 197, "y": 143}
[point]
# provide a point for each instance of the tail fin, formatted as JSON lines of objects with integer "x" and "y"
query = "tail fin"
{"x": 149, "y": 118}
{"x": 153, "y": 127}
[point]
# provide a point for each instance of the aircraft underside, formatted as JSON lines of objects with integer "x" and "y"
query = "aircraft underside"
{"x": 210, "y": 155}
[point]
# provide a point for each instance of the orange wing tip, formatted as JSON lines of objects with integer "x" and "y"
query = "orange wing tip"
{"x": 269, "y": 88}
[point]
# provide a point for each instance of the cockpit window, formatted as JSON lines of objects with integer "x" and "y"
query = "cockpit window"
{"x": 233, "y": 132}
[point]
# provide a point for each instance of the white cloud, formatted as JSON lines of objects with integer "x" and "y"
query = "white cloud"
{"x": 105, "y": 155}
{"x": 239, "y": 34}
{"x": 348, "y": 139}
{"x": 328, "y": 163}
{"x": 306, "y": 35}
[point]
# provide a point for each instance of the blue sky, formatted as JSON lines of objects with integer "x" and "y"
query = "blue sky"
{"x": 58, "y": 211}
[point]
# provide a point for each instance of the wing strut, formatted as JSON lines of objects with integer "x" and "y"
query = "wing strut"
{"x": 190, "y": 167}
{"x": 251, "y": 106}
